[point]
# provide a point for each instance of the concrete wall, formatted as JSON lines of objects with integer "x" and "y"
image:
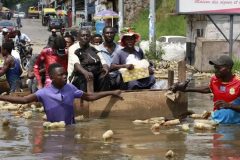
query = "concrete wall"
{"x": 201, "y": 23}
{"x": 208, "y": 40}
{"x": 206, "y": 50}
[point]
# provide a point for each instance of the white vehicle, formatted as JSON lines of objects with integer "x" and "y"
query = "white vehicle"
{"x": 174, "y": 47}
{"x": 15, "y": 14}
{"x": 172, "y": 39}
{"x": 21, "y": 14}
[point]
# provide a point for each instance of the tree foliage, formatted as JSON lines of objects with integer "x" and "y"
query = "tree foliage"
{"x": 12, "y": 3}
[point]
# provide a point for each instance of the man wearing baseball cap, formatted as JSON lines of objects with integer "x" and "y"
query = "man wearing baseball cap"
{"x": 225, "y": 87}
{"x": 3, "y": 36}
{"x": 52, "y": 37}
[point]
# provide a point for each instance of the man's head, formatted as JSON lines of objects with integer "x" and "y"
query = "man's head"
{"x": 7, "y": 48}
{"x": 18, "y": 32}
{"x": 129, "y": 39}
{"x": 84, "y": 37}
{"x": 222, "y": 65}
{"x": 57, "y": 74}
{"x": 69, "y": 39}
{"x": 54, "y": 32}
{"x": 4, "y": 31}
{"x": 59, "y": 45}
{"x": 96, "y": 39}
{"x": 109, "y": 34}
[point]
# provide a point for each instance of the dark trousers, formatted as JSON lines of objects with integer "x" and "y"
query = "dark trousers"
{"x": 100, "y": 83}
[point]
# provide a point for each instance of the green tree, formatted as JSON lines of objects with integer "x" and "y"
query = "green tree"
{"x": 12, "y": 3}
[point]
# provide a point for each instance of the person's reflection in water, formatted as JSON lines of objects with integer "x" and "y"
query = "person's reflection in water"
{"x": 55, "y": 144}
{"x": 38, "y": 140}
{"x": 226, "y": 143}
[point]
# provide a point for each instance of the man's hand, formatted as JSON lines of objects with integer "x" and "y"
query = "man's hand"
{"x": 105, "y": 70}
{"x": 88, "y": 75}
{"x": 221, "y": 104}
{"x": 117, "y": 93}
{"x": 39, "y": 86}
{"x": 151, "y": 70}
{"x": 179, "y": 86}
{"x": 130, "y": 66}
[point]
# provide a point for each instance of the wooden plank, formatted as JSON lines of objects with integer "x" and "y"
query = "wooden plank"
{"x": 181, "y": 71}
{"x": 170, "y": 78}
{"x": 181, "y": 78}
{"x": 140, "y": 104}
{"x": 137, "y": 105}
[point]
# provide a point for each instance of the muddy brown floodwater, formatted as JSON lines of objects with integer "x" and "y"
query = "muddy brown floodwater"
{"x": 27, "y": 139}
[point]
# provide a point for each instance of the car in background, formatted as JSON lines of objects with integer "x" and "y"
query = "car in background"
{"x": 56, "y": 23}
{"x": 22, "y": 14}
{"x": 172, "y": 39}
{"x": 173, "y": 47}
{"x": 10, "y": 25}
{"x": 15, "y": 14}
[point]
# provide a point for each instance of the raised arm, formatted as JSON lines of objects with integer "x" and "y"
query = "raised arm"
{"x": 20, "y": 100}
{"x": 203, "y": 89}
{"x": 183, "y": 87}
{"x": 98, "y": 95}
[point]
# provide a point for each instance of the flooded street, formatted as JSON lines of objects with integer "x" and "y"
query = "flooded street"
{"x": 26, "y": 139}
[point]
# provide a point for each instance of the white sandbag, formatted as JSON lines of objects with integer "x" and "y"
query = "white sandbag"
{"x": 144, "y": 45}
{"x": 174, "y": 52}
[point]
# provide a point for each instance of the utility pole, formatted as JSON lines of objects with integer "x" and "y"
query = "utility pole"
{"x": 73, "y": 13}
{"x": 121, "y": 15}
{"x": 152, "y": 20}
{"x": 231, "y": 41}
{"x": 86, "y": 11}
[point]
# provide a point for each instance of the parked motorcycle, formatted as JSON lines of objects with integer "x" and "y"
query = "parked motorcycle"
{"x": 25, "y": 52}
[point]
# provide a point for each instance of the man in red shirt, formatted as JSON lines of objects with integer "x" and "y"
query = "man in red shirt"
{"x": 55, "y": 54}
{"x": 225, "y": 87}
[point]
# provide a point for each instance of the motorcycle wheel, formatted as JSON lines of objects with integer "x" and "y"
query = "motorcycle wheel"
{"x": 25, "y": 62}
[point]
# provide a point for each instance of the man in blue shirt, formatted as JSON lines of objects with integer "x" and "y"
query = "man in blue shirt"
{"x": 58, "y": 97}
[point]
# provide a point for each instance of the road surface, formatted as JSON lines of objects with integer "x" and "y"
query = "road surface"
{"x": 36, "y": 32}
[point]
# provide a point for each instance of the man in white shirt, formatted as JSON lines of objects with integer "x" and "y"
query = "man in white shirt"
{"x": 21, "y": 37}
{"x": 72, "y": 58}
{"x": 106, "y": 52}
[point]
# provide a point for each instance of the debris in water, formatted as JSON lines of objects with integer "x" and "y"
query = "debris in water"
{"x": 172, "y": 122}
{"x": 170, "y": 154}
{"x": 107, "y": 135}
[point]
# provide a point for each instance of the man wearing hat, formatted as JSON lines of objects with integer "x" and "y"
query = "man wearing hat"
{"x": 52, "y": 37}
{"x": 3, "y": 36}
{"x": 225, "y": 87}
{"x": 124, "y": 58}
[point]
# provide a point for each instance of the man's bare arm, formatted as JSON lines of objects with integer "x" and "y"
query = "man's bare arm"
{"x": 98, "y": 95}
{"x": 20, "y": 100}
